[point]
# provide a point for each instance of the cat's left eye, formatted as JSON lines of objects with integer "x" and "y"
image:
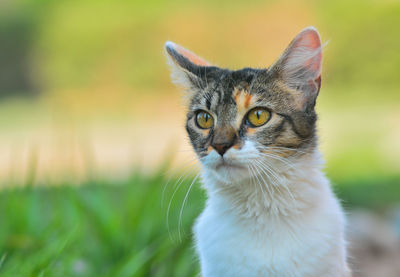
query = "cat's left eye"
{"x": 257, "y": 117}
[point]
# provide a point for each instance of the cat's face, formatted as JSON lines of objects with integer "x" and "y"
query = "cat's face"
{"x": 245, "y": 121}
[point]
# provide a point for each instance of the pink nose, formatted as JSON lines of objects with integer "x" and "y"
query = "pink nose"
{"x": 221, "y": 148}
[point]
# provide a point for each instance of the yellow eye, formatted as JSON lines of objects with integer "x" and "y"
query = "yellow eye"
{"x": 204, "y": 120}
{"x": 258, "y": 117}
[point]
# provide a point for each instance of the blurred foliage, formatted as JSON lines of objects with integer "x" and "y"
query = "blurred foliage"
{"x": 16, "y": 38}
{"x": 363, "y": 43}
{"x": 103, "y": 229}
{"x": 70, "y": 44}
{"x": 375, "y": 193}
{"x": 100, "y": 229}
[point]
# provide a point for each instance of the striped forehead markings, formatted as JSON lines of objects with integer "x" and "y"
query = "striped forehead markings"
{"x": 208, "y": 97}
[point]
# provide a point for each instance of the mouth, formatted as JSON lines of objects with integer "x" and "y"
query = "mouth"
{"x": 226, "y": 165}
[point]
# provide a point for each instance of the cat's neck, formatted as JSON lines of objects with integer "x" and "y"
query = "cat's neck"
{"x": 300, "y": 188}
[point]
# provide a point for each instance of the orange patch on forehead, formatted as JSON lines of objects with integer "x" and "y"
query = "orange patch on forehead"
{"x": 243, "y": 100}
{"x": 247, "y": 100}
{"x": 236, "y": 94}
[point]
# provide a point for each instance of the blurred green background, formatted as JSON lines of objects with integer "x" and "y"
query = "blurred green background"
{"x": 91, "y": 128}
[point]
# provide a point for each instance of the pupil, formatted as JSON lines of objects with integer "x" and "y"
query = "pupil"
{"x": 258, "y": 114}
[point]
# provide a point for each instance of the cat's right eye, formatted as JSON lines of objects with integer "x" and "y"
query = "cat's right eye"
{"x": 204, "y": 120}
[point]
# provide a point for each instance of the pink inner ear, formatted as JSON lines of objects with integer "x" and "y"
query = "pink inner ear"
{"x": 310, "y": 40}
{"x": 191, "y": 56}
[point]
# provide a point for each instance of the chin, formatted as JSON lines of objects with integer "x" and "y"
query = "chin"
{"x": 227, "y": 172}
{"x": 231, "y": 174}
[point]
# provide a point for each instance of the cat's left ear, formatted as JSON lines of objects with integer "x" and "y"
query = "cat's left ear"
{"x": 187, "y": 69}
{"x": 300, "y": 64}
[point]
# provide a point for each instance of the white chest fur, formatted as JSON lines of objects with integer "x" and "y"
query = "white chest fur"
{"x": 244, "y": 232}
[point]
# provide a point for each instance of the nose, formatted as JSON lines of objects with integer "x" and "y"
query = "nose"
{"x": 224, "y": 138}
{"x": 221, "y": 148}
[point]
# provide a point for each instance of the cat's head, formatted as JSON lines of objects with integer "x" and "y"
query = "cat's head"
{"x": 238, "y": 121}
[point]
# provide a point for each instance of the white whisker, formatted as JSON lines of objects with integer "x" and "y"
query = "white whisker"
{"x": 260, "y": 185}
{"x": 183, "y": 205}
{"x": 177, "y": 186}
{"x": 278, "y": 179}
{"x": 283, "y": 149}
{"x": 281, "y": 159}
{"x": 188, "y": 166}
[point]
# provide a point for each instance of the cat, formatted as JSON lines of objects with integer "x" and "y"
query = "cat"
{"x": 270, "y": 209}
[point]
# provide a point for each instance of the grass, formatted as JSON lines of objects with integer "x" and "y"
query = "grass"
{"x": 103, "y": 229}
{"x": 370, "y": 192}
{"x": 97, "y": 230}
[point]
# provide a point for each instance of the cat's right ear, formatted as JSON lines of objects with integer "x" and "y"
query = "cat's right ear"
{"x": 186, "y": 67}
